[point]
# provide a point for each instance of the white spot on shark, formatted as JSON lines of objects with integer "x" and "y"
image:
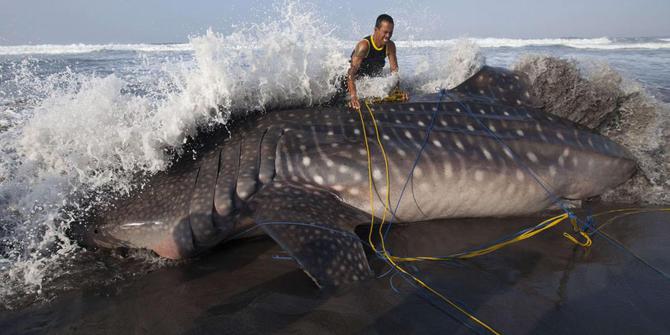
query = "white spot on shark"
{"x": 508, "y": 152}
{"x": 376, "y": 174}
{"x": 566, "y": 152}
{"x": 520, "y": 175}
{"x": 448, "y": 171}
{"x": 418, "y": 172}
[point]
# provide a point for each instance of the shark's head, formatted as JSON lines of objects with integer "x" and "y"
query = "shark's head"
{"x": 172, "y": 239}
{"x": 168, "y": 216}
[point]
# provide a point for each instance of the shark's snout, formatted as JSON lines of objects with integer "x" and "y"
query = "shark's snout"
{"x": 169, "y": 241}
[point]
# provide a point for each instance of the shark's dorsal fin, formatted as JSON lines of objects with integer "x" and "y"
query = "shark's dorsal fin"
{"x": 316, "y": 229}
{"x": 500, "y": 85}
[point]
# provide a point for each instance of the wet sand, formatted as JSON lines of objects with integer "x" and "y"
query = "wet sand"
{"x": 545, "y": 285}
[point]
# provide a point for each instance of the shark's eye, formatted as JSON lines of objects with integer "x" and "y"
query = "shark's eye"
{"x": 95, "y": 231}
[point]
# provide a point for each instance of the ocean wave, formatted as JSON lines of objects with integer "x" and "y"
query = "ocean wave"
{"x": 79, "y": 48}
{"x": 602, "y": 43}
{"x": 595, "y": 95}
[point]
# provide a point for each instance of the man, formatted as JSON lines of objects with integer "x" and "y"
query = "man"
{"x": 369, "y": 56}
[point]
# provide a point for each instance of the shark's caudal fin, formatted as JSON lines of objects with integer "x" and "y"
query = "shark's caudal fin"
{"x": 316, "y": 229}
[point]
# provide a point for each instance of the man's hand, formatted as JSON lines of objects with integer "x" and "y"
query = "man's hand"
{"x": 404, "y": 96}
{"x": 354, "y": 103}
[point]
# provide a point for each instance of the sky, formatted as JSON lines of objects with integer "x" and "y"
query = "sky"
{"x": 164, "y": 21}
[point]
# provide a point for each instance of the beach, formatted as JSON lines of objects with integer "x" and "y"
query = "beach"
{"x": 542, "y": 285}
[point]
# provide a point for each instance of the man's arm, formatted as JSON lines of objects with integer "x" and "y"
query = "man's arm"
{"x": 360, "y": 52}
{"x": 393, "y": 62}
{"x": 393, "y": 59}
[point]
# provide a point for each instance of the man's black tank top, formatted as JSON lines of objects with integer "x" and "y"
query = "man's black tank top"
{"x": 373, "y": 64}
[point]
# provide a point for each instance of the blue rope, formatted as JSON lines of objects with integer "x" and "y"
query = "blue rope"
{"x": 625, "y": 249}
{"x": 585, "y": 226}
{"x": 528, "y": 170}
{"x": 515, "y": 157}
{"x": 443, "y": 93}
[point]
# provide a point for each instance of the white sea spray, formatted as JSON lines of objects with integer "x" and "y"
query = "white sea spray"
{"x": 81, "y": 137}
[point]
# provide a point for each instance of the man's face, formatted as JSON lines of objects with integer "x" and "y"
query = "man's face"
{"x": 385, "y": 31}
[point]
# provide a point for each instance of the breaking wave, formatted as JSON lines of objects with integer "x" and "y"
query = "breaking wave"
{"x": 593, "y": 94}
{"x": 602, "y": 43}
{"x": 72, "y": 139}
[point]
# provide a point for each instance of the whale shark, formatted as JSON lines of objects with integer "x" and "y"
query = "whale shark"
{"x": 301, "y": 176}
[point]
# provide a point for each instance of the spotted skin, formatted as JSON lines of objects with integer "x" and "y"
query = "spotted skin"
{"x": 226, "y": 183}
{"x": 328, "y": 250}
{"x": 202, "y": 205}
{"x": 310, "y": 165}
{"x": 156, "y": 217}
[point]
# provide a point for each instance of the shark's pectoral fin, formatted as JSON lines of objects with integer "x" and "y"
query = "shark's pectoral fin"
{"x": 316, "y": 229}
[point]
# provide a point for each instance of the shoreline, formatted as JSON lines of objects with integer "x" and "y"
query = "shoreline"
{"x": 541, "y": 285}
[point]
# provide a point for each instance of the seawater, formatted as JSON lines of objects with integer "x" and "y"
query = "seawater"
{"x": 79, "y": 123}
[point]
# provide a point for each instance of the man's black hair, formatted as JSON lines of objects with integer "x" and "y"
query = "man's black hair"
{"x": 382, "y": 18}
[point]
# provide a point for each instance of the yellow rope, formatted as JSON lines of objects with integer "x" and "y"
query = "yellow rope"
{"x": 387, "y": 202}
{"x": 626, "y": 212}
{"x": 393, "y": 260}
{"x": 370, "y": 182}
{"x": 385, "y": 253}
